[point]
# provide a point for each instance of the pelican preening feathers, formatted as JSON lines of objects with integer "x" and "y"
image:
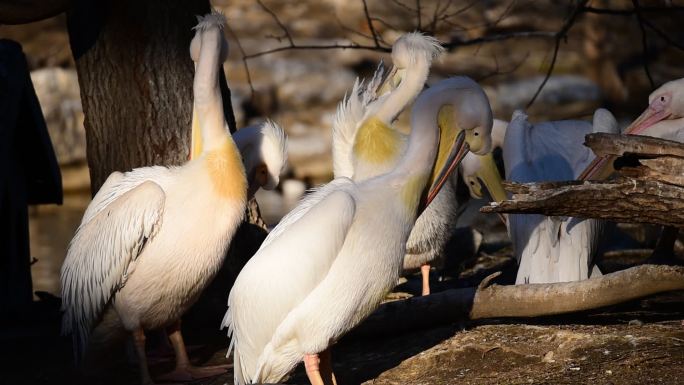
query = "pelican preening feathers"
{"x": 153, "y": 238}
{"x": 347, "y": 240}
{"x": 365, "y": 144}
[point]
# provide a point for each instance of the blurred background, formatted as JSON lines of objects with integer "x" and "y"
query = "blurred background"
{"x": 507, "y": 46}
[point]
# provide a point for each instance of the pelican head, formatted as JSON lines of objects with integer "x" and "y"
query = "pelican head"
{"x": 665, "y": 103}
{"x": 465, "y": 124}
{"x": 412, "y": 50}
{"x": 204, "y": 22}
{"x": 479, "y": 170}
{"x": 264, "y": 153}
{"x": 468, "y": 111}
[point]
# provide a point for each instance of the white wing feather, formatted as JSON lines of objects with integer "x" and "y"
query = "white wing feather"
{"x": 552, "y": 249}
{"x": 351, "y": 111}
{"x": 103, "y": 252}
{"x": 311, "y": 199}
{"x": 316, "y": 230}
{"x": 118, "y": 184}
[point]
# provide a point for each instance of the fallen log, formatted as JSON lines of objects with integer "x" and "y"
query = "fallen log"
{"x": 495, "y": 301}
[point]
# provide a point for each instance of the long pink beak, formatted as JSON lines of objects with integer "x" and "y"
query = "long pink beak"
{"x": 599, "y": 166}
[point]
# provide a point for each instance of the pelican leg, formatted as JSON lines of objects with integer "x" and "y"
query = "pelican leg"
{"x": 139, "y": 340}
{"x": 185, "y": 371}
{"x": 326, "y": 367}
{"x": 425, "y": 273}
{"x": 319, "y": 368}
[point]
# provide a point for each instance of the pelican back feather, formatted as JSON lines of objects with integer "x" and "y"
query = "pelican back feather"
{"x": 351, "y": 111}
{"x": 257, "y": 306}
{"x": 103, "y": 253}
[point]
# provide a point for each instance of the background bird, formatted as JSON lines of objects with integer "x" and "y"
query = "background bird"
{"x": 154, "y": 237}
{"x": 363, "y": 134}
{"x": 664, "y": 118}
{"x": 263, "y": 148}
{"x": 548, "y": 249}
{"x": 343, "y": 248}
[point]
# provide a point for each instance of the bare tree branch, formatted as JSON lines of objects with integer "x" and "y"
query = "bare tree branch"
{"x": 498, "y": 71}
{"x": 644, "y": 42}
{"x": 244, "y": 57}
{"x": 443, "y": 14}
{"x": 663, "y": 35}
{"x": 499, "y": 37}
{"x": 277, "y": 20}
{"x": 370, "y": 24}
{"x": 629, "y": 12}
{"x": 560, "y": 35}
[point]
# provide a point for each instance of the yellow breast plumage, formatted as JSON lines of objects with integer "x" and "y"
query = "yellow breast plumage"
{"x": 376, "y": 142}
{"x": 227, "y": 172}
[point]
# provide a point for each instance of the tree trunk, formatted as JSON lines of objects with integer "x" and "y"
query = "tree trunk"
{"x": 135, "y": 74}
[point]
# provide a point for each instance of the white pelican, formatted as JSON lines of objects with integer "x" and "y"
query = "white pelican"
{"x": 264, "y": 154}
{"x": 329, "y": 262}
{"x": 153, "y": 238}
{"x": 664, "y": 118}
{"x": 365, "y": 144}
{"x": 547, "y": 249}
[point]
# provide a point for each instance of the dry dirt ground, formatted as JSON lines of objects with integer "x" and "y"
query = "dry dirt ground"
{"x": 639, "y": 342}
{"x": 613, "y": 347}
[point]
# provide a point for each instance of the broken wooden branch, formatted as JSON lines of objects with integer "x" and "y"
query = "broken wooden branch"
{"x": 649, "y": 187}
{"x": 603, "y": 144}
{"x": 520, "y": 300}
{"x": 620, "y": 200}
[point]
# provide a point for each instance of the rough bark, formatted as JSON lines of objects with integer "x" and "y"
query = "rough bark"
{"x": 135, "y": 75}
{"x": 566, "y": 297}
{"x": 649, "y": 189}
{"x": 614, "y": 144}
{"x": 620, "y": 200}
{"x": 496, "y": 301}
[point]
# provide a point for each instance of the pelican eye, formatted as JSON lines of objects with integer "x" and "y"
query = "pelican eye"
{"x": 477, "y": 133}
{"x": 662, "y": 98}
{"x": 472, "y": 183}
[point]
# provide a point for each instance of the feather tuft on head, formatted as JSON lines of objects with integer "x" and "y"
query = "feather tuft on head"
{"x": 413, "y": 44}
{"x": 213, "y": 19}
{"x": 275, "y": 135}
